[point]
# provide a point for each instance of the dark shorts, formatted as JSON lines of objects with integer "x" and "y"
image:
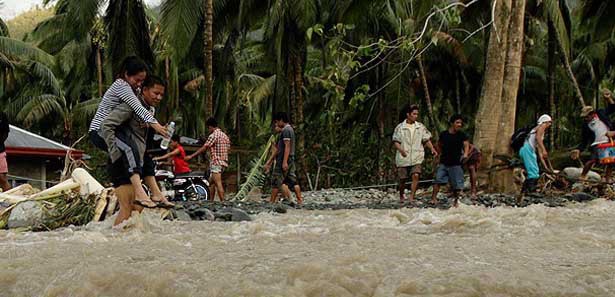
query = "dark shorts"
{"x": 98, "y": 141}
{"x": 407, "y": 172}
{"x": 118, "y": 173}
{"x": 452, "y": 175}
{"x": 280, "y": 177}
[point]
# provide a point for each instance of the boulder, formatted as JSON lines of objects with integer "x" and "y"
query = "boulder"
{"x": 181, "y": 215}
{"x": 203, "y": 214}
{"x": 26, "y": 214}
{"x": 575, "y": 173}
{"x": 232, "y": 214}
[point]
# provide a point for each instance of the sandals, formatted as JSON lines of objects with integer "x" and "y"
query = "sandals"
{"x": 164, "y": 203}
{"x": 146, "y": 203}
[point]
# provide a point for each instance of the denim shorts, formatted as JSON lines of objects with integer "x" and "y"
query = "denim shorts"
{"x": 450, "y": 174}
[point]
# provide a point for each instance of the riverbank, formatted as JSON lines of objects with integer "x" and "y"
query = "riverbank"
{"x": 369, "y": 199}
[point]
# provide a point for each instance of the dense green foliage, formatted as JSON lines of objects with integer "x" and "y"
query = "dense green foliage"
{"x": 343, "y": 69}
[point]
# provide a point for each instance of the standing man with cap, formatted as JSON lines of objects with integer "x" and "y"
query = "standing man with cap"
{"x": 597, "y": 129}
{"x": 534, "y": 143}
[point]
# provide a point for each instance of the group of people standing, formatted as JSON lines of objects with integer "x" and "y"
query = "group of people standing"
{"x": 124, "y": 125}
{"x": 454, "y": 151}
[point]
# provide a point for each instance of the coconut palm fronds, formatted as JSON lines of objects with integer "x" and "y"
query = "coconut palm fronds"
{"x": 69, "y": 209}
{"x": 256, "y": 176}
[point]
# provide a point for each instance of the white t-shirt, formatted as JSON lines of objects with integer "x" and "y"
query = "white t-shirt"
{"x": 599, "y": 128}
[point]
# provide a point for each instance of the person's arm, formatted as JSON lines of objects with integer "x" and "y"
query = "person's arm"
{"x": 466, "y": 149}
{"x": 168, "y": 155}
{"x": 127, "y": 95}
{"x": 585, "y": 141}
{"x": 274, "y": 153}
{"x": 400, "y": 149}
{"x": 426, "y": 138}
{"x": 286, "y": 154}
{"x": 429, "y": 145}
{"x": 397, "y": 142}
{"x": 540, "y": 135}
{"x": 209, "y": 143}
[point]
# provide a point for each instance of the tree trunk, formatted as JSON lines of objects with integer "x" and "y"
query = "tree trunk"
{"x": 502, "y": 180}
{"x": 458, "y": 91}
{"x": 209, "y": 53}
{"x": 99, "y": 71}
{"x": 298, "y": 69}
{"x": 551, "y": 79}
{"x": 432, "y": 119}
{"x": 489, "y": 109}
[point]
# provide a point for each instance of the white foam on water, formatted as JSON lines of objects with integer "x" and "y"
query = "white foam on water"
{"x": 467, "y": 251}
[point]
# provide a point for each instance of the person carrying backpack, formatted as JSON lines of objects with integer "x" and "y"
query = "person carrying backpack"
{"x": 534, "y": 147}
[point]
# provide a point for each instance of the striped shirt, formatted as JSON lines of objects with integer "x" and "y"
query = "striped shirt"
{"x": 120, "y": 91}
{"x": 220, "y": 144}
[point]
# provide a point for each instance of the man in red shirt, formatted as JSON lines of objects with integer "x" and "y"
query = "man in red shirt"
{"x": 180, "y": 166}
{"x": 218, "y": 144}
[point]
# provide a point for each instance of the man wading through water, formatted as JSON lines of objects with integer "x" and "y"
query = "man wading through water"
{"x": 409, "y": 138}
{"x": 123, "y": 120}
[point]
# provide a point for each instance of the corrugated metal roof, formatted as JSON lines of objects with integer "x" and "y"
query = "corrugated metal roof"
{"x": 20, "y": 138}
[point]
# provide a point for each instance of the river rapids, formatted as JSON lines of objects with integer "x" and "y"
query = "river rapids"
{"x": 467, "y": 251}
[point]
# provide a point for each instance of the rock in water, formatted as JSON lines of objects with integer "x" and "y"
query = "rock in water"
{"x": 182, "y": 215}
{"x": 26, "y": 214}
{"x": 575, "y": 173}
{"x": 232, "y": 214}
{"x": 280, "y": 208}
{"x": 204, "y": 214}
{"x": 581, "y": 196}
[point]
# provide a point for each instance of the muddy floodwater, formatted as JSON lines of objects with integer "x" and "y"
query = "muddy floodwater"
{"x": 469, "y": 251}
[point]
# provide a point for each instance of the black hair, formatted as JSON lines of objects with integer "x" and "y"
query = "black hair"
{"x": 280, "y": 116}
{"x": 454, "y": 118}
{"x": 175, "y": 137}
{"x": 408, "y": 108}
{"x": 211, "y": 122}
{"x": 132, "y": 65}
{"x": 153, "y": 80}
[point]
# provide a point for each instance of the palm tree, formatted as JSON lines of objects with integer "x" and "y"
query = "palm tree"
{"x": 208, "y": 37}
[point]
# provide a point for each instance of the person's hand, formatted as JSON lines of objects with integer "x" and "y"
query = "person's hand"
{"x": 267, "y": 167}
{"x": 162, "y": 130}
{"x": 575, "y": 154}
{"x": 544, "y": 155}
{"x": 285, "y": 166}
{"x": 610, "y": 134}
{"x": 403, "y": 153}
{"x": 188, "y": 158}
{"x": 156, "y": 158}
{"x": 434, "y": 152}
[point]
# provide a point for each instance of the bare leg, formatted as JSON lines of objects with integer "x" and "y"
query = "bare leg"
{"x": 608, "y": 171}
{"x": 402, "y": 188}
{"x": 139, "y": 193}
{"x": 473, "y": 181}
{"x": 4, "y": 182}
{"x": 157, "y": 195}
{"x": 217, "y": 177}
{"x": 587, "y": 167}
{"x": 285, "y": 191}
{"x": 212, "y": 189}
{"x": 126, "y": 196}
{"x": 414, "y": 186}
{"x": 434, "y": 193}
{"x": 274, "y": 195}
{"x": 297, "y": 189}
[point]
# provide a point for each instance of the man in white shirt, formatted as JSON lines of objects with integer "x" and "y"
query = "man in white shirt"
{"x": 409, "y": 138}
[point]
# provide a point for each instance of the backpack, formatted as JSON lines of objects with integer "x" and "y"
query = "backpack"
{"x": 518, "y": 138}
